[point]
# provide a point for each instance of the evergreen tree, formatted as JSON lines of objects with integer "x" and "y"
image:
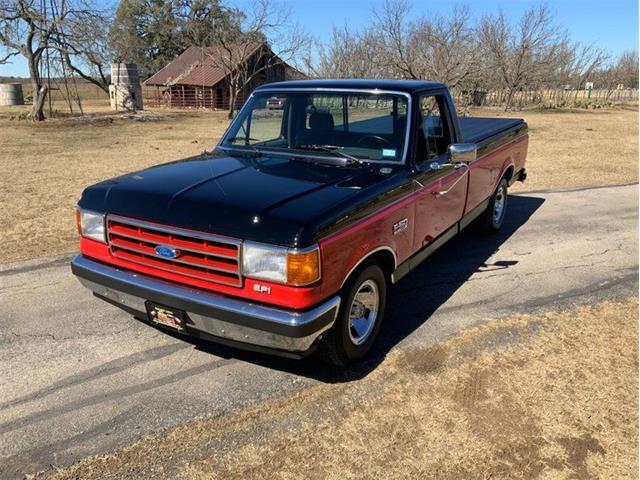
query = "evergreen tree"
{"x": 152, "y": 33}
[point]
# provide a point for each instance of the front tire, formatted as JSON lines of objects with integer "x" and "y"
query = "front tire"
{"x": 358, "y": 323}
{"x": 492, "y": 218}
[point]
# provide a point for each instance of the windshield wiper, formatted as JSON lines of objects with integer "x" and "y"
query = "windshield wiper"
{"x": 246, "y": 139}
{"x": 329, "y": 149}
{"x": 252, "y": 149}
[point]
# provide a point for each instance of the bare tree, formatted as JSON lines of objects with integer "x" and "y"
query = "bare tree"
{"x": 35, "y": 29}
{"x": 492, "y": 53}
{"x": 24, "y": 30}
{"x": 619, "y": 72}
{"x": 440, "y": 48}
{"x": 577, "y": 64}
{"x": 348, "y": 55}
{"x": 248, "y": 45}
{"x": 446, "y": 47}
{"x": 525, "y": 55}
{"x": 84, "y": 46}
{"x": 398, "y": 50}
{"x": 5, "y": 59}
{"x": 626, "y": 69}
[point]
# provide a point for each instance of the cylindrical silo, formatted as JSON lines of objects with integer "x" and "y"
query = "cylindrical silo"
{"x": 125, "y": 90}
{"x": 11, "y": 94}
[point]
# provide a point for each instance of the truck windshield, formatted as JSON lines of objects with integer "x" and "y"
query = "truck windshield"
{"x": 357, "y": 126}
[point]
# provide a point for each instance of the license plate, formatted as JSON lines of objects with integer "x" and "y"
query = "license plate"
{"x": 166, "y": 316}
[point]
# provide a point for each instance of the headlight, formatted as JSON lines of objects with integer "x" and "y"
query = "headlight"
{"x": 281, "y": 265}
{"x": 91, "y": 225}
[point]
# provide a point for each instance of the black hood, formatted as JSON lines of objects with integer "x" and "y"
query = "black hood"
{"x": 275, "y": 200}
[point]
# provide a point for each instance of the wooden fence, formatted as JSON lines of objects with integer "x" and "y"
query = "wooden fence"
{"x": 549, "y": 98}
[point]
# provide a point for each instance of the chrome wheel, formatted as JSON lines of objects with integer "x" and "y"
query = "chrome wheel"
{"x": 363, "y": 312}
{"x": 499, "y": 204}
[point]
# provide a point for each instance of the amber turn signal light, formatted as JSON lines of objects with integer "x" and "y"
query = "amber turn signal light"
{"x": 78, "y": 222}
{"x": 303, "y": 268}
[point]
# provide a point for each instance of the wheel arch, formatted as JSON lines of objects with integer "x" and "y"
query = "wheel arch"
{"x": 384, "y": 255}
{"x": 508, "y": 173}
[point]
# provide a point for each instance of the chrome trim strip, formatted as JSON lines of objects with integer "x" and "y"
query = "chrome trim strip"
{"x": 174, "y": 230}
{"x": 371, "y": 91}
{"x": 179, "y": 247}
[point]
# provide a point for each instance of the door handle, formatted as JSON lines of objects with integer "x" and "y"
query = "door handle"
{"x": 444, "y": 192}
{"x": 440, "y": 166}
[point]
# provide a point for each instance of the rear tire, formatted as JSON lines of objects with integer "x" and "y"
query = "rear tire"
{"x": 359, "y": 319}
{"x": 492, "y": 218}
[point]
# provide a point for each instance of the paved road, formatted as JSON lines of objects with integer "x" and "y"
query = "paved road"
{"x": 79, "y": 377}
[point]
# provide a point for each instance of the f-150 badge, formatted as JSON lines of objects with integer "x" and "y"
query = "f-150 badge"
{"x": 400, "y": 226}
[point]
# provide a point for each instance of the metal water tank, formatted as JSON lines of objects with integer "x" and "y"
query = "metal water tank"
{"x": 11, "y": 94}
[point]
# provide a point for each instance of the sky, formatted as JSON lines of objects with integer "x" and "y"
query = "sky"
{"x": 611, "y": 24}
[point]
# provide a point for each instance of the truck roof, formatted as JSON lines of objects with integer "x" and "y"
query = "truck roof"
{"x": 407, "y": 86}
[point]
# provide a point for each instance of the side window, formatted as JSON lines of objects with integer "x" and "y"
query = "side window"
{"x": 433, "y": 136}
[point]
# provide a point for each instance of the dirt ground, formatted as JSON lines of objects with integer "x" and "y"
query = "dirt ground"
{"x": 45, "y": 167}
{"x": 553, "y": 395}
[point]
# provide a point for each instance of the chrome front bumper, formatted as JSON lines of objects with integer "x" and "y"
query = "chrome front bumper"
{"x": 224, "y": 318}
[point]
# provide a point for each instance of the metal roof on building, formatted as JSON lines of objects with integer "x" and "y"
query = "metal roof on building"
{"x": 198, "y": 66}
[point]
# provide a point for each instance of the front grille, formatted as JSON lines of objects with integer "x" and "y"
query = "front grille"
{"x": 202, "y": 256}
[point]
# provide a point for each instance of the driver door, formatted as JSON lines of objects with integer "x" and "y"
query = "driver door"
{"x": 444, "y": 188}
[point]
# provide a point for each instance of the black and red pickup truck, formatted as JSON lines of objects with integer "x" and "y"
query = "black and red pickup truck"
{"x": 286, "y": 237}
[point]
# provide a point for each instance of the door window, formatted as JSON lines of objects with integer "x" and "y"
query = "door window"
{"x": 434, "y": 134}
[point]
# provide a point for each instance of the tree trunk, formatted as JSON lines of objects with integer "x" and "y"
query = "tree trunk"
{"x": 509, "y": 99}
{"x": 232, "y": 97}
{"x": 39, "y": 91}
{"x": 39, "y": 97}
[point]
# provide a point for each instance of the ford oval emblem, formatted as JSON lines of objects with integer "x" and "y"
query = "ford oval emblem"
{"x": 166, "y": 252}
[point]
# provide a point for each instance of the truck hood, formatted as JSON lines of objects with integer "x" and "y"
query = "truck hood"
{"x": 268, "y": 199}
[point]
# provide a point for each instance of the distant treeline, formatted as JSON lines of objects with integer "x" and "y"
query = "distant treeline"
{"x": 490, "y": 58}
{"x": 487, "y": 59}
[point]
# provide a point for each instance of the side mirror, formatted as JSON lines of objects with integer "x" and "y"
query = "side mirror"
{"x": 463, "y": 152}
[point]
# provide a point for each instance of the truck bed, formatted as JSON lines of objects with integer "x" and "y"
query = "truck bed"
{"x": 478, "y": 129}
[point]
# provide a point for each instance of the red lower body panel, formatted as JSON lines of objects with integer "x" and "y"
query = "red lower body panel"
{"x": 280, "y": 295}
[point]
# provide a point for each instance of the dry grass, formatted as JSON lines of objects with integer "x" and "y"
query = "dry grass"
{"x": 553, "y": 395}
{"x": 579, "y": 148}
{"x": 45, "y": 167}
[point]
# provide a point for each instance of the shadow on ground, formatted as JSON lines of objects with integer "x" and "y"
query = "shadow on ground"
{"x": 410, "y": 304}
{"x": 416, "y": 297}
